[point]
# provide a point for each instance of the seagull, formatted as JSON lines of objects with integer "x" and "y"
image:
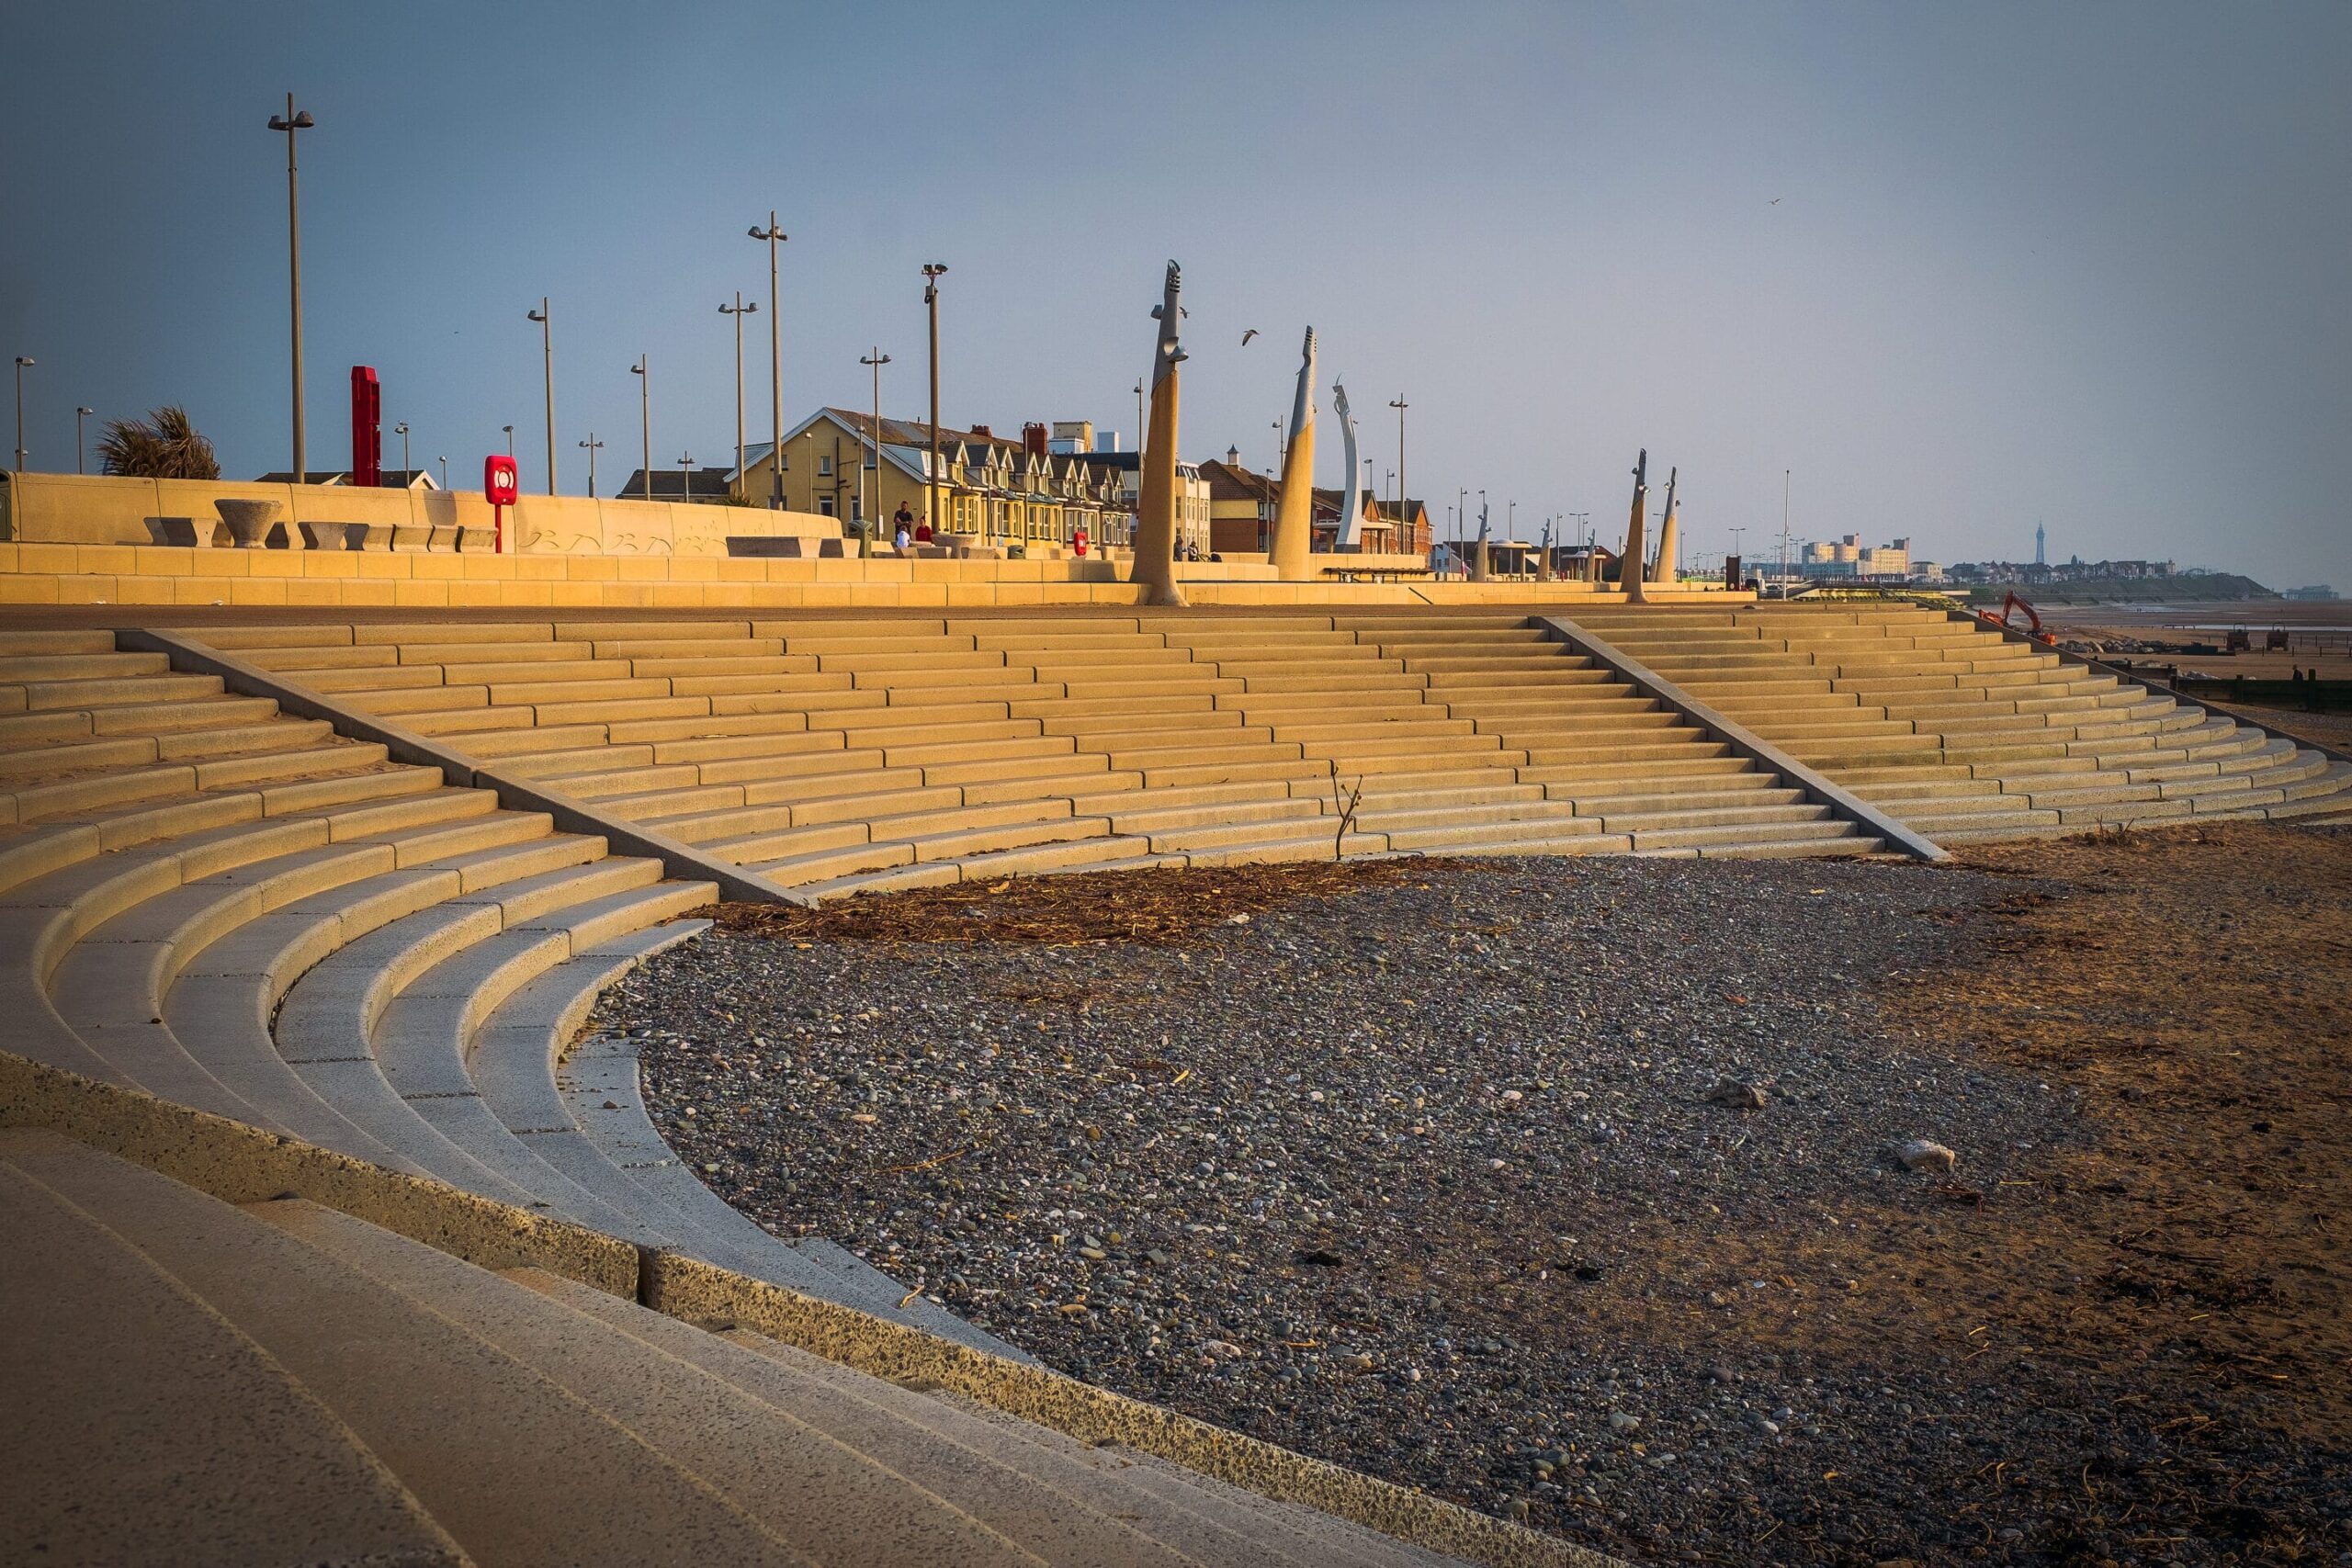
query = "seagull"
{"x": 1248, "y": 336}
{"x": 1774, "y": 202}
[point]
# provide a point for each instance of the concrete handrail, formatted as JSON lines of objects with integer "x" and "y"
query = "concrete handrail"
{"x": 571, "y": 815}
{"x": 1842, "y": 803}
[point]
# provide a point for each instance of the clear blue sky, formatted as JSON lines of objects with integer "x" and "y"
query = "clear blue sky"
{"x": 1958, "y": 266}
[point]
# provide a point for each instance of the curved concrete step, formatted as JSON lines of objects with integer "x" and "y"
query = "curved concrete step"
{"x": 165, "y": 1434}
{"x": 497, "y": 1452}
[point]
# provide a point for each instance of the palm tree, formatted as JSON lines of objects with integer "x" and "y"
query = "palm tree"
{"x": 164, "y": 446}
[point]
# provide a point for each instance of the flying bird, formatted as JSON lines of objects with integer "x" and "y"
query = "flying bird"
{"x": 1774, "y": 202}
{"x": 1248, "y": 336}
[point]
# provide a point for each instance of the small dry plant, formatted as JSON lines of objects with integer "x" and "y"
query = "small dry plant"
{"x": 1344, "y": 799}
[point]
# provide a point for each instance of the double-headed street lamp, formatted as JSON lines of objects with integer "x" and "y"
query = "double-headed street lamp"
{"x": 876, "y": 360}
{"x": 593, "y": 447}
{"x": 546, "y": 361}
{"x": 1403, "y": 503}
{"x": 739, "y": 311}
{"x": 931, "y": 272}
{"x": 289, "y": 122}
{"x": 774, "y": 235}
{"x": 645, "y": 417}
{"x": 23, "y": 364}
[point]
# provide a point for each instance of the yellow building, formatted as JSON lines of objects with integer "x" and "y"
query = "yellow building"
{"x": 993, "y": 490}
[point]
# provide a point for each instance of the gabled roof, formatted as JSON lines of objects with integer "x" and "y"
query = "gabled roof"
{"x": 714, "y": 483}
{"x": 393, "y": 479}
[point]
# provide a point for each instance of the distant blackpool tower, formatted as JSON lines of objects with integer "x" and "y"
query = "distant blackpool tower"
{"x": 2039, "y": 559}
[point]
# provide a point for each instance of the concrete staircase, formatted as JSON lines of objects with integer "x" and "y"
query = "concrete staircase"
{"x": 200, "y": 1381}
{"x": 248, "y": 915}
{"x": 834, "y": 756}
{"x": 1962, "y": 734}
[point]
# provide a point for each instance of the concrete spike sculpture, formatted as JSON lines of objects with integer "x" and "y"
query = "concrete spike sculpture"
{"x": 1629, "y": 564}
{"x": 1544, "y": 562}
{"x": 1155, "y": 568}
{"x": 1350, "y": 535}
{"x": 1295, "y": 513}
{"x": 1669, "y": 542}
{"x": 1478, "y": 561}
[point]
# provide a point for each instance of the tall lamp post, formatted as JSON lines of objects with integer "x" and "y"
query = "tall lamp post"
{"x": 774, "y": 235}
{"x": 444, "y": 461}
{"x": 408, "y": 474}
{"x": 593, "y": 447}
{"x": 931, "y": 276}
{"x": 81, "y": 449}
{"x": 739, "y": 311}
{"x": 289, "y": 122}
{"x": 23, "y": 363}
{"x": 546, "y": 362}
{"x": 1404, "y": 505}
{"x": 875, "y": 361}
{"x": 1784, "y": 525}
{"x": 645, "y": 418}
{"x": 685, "y": 476}
{"x": 510, "y": 438}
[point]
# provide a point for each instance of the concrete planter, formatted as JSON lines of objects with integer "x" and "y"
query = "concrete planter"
{"x": 249, "y": 521}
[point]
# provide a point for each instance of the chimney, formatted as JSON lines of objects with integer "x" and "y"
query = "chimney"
{"x": 1033, "y": 436}
{"x": 983, "y": 431}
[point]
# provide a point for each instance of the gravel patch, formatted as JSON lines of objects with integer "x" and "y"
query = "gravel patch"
{"x": 1530, "y": 1183}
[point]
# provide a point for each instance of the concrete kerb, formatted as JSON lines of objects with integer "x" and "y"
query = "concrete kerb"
{"x": 571, "y": 815}
{"x": 241, "y": 1165}
{"x": 2154, "y": 688}
{"x": 1842, "y": 804}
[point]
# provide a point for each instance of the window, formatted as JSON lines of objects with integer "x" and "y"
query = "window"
{"x": 825, "y": 505}
{"x": 825, "y": 468}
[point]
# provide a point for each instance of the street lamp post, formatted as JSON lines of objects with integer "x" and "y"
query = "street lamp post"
{"x": 875, "y": 361}
{"x": 289, "y": 122}
{"x": 81, "y": 449}
{"x": 645, "y": 418}
{"x": 774, "y": 235}
{"x": 22, "y": 365}
{"x": 739, "y": 311}
{"x": 408, "y": 474}
{"x": 931, "y": 274}
{"x": 593, "y": 447}
{"x": 686, "y": 476}
{"x": 444, "y": 461}
{"x": 545, "y": 317}
{"x": 1784, "y": 525}
{"x": 510, "y": 438}
{"x": 1404, "y": 503}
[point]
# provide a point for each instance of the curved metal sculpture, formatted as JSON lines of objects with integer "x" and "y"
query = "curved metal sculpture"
{"x": 1629, "y": 564}
{"x": 1668, "y": 571}
{"x": 1351, "y": 535}
{"x": 1480, "y": 562}
{"x": 1155, "y": 564}
{"x": 1295, "y": 512}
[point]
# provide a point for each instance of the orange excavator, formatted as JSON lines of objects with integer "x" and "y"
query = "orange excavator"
{"x": 2009, "y": 607}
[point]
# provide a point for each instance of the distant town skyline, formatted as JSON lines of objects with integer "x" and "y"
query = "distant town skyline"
{"x": 1958, "y": 271}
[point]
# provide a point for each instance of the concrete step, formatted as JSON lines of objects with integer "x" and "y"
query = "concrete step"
{"x": 495, "y": 1451}
{"x": 135, "y": 1460}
